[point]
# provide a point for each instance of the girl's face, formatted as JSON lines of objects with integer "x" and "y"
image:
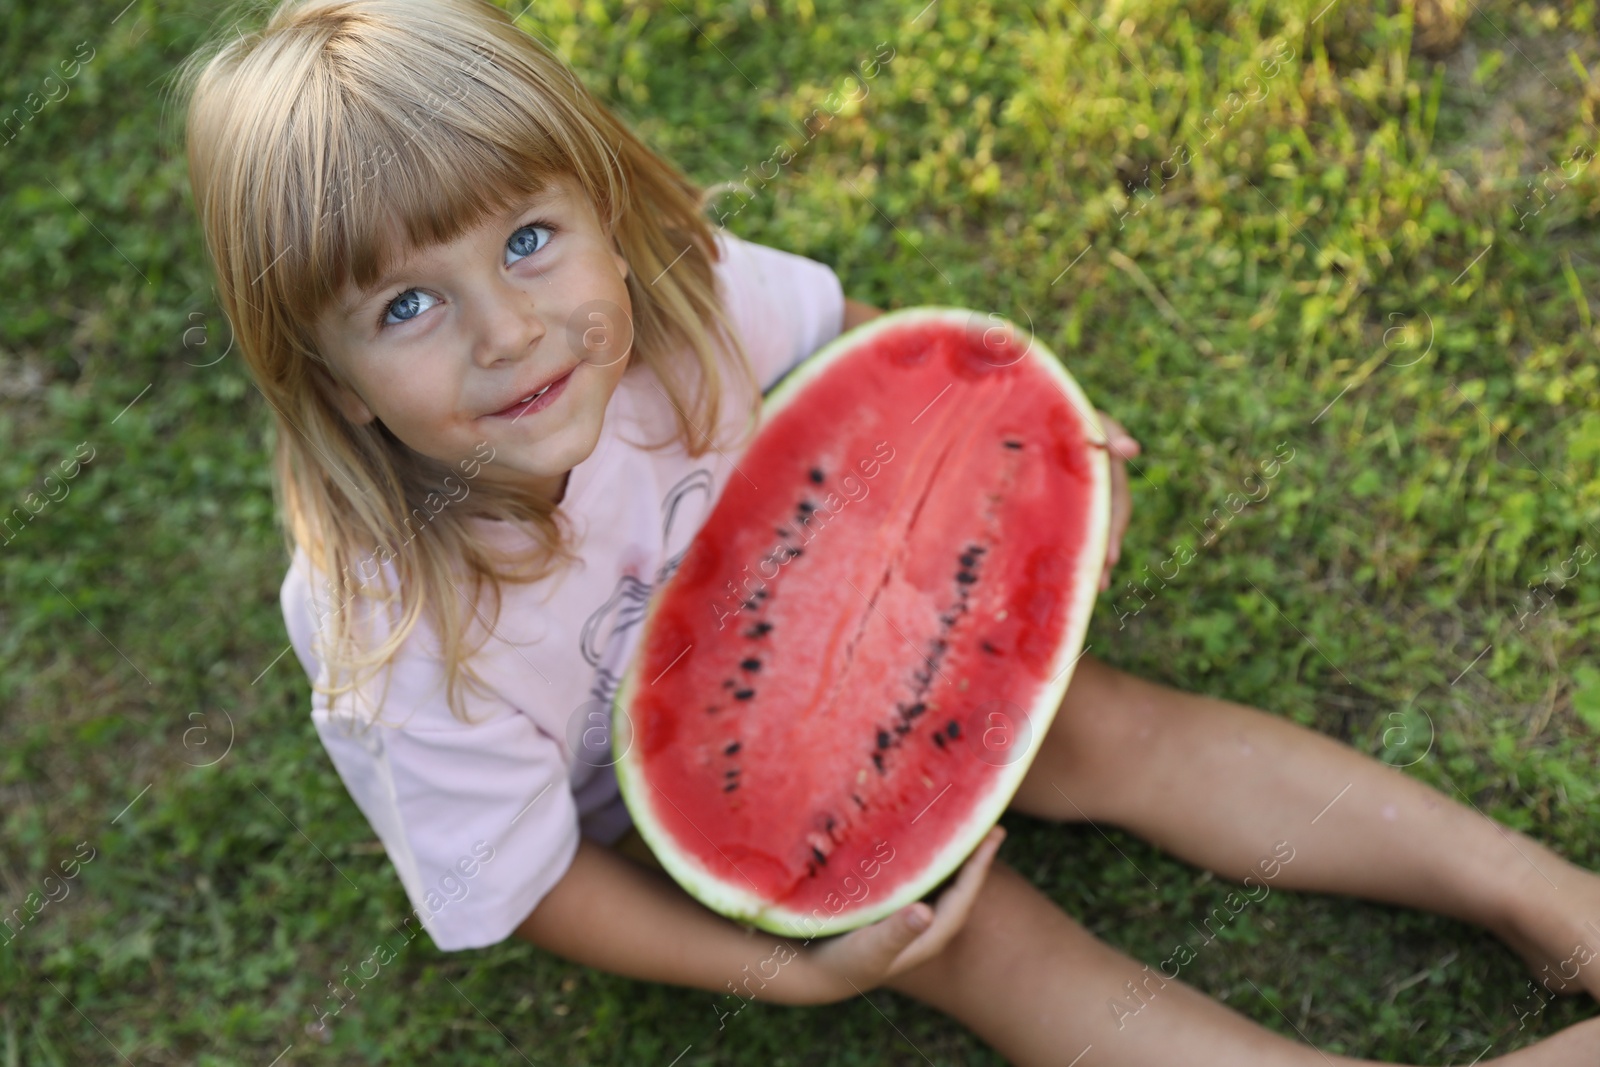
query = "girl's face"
{"x": 447, "y": 350}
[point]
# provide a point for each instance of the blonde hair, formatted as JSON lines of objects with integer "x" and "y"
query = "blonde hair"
{"x": 303, "y": 153}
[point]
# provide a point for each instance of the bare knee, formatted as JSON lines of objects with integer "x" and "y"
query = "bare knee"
{"x": 1100, "y": 736}
{"x": 1105, "y": 713}
{"x": 1018, "y": 971}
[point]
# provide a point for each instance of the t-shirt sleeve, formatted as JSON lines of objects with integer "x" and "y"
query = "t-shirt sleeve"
{"x": 478, "y": 819}
{"x": 785, "y": 305}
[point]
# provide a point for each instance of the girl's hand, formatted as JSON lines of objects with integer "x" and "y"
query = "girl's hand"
{"x": 863, "y": 959}
{"x": 1122, "y": 448}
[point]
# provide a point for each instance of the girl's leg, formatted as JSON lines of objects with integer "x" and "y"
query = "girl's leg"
{"x": 1220, "y": 785}
{"x": 1041, "y": 990}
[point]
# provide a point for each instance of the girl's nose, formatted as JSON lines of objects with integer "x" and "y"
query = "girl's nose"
{"x": 506, "y": 324}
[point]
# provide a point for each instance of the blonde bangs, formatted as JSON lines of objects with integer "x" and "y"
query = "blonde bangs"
{"x": 381, "y": 135}
{"x": 323, "y": 151}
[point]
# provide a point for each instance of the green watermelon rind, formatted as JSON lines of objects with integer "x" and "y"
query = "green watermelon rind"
{"x": 725, "y": 898}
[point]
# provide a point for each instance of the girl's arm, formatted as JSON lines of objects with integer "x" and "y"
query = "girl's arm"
{"x": 615, "y": 915}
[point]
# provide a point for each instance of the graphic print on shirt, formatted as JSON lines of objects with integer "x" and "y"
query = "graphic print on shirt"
{"x": 605, "y": 640}
{"x": 694, "y": 495}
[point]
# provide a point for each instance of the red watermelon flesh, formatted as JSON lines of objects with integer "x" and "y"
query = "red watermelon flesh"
{"x": 841, "y": 688}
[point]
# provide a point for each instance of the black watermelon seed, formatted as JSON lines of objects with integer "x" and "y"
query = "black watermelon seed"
{"x": 816, "y": 475}
{"x": 948, "y": 620}
{"x": 743, "y": 694}
{"x": 751, "y": 664}
{"x": 817, "y": 852}
{"x": 750, "y": 605}
{"x": 883, "y": 738}
{"x": 781, "y": 531}
{"x": 830, "y": 823}
{"x": 859, "y": 802}
{"x": 975, "y": 548}
{"x": 938, "y": 739}
{"x": 966, "y": 577}
{"x": 987, "y": 647}
{"x": 760, "y": 629}
{"x": 807, "y": 507}
{"x": 953, "y": 729}
{"x": 877, "y": 759}
{"x": 731, "y": 772}
{"x": 794, "y": 553}
{"x": 731, "y": 749}
{"x": 916, "y": 709}
{"x": 968, "y": 559}
{"x": 803, "y": 520}
{"x": 730, "y": 787}
{"x": 1013, "y": 444}
{"x": 902, "y": 728}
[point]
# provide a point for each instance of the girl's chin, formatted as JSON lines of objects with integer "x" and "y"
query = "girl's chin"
{"x": 522, "y": 477}
{"x": 547, "y": 478}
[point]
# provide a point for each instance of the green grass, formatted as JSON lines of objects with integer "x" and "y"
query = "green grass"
{"x": 1348, "y": 238}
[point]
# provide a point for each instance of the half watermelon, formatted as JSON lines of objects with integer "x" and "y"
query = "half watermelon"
{"x": 841, "y": 688}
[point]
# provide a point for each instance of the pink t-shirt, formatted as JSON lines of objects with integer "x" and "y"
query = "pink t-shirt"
{"x": 482, "y": 820}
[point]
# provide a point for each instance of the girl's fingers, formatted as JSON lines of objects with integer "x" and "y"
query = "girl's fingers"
{"x": 1120, "y": 514}
{"x": 880, "y": 945}
{"x": 954, "y": 905}
{"x": 1121, "y": 446}
{"x": 1118, "y": 441}
{"x": 866, "y": 957}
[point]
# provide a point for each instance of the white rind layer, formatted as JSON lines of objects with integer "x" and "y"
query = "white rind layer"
{"x": 729, "y": 899}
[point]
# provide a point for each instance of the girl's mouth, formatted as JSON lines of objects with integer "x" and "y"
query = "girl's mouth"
{"x": 534, "y": 402}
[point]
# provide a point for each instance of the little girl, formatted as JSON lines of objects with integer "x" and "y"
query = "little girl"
{"x": 511, "y": 366}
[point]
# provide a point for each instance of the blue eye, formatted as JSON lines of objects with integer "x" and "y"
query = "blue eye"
{"x": 524, "y": 244}
{"x": 405, "y": 307}
{"x": 408, "y": 303}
